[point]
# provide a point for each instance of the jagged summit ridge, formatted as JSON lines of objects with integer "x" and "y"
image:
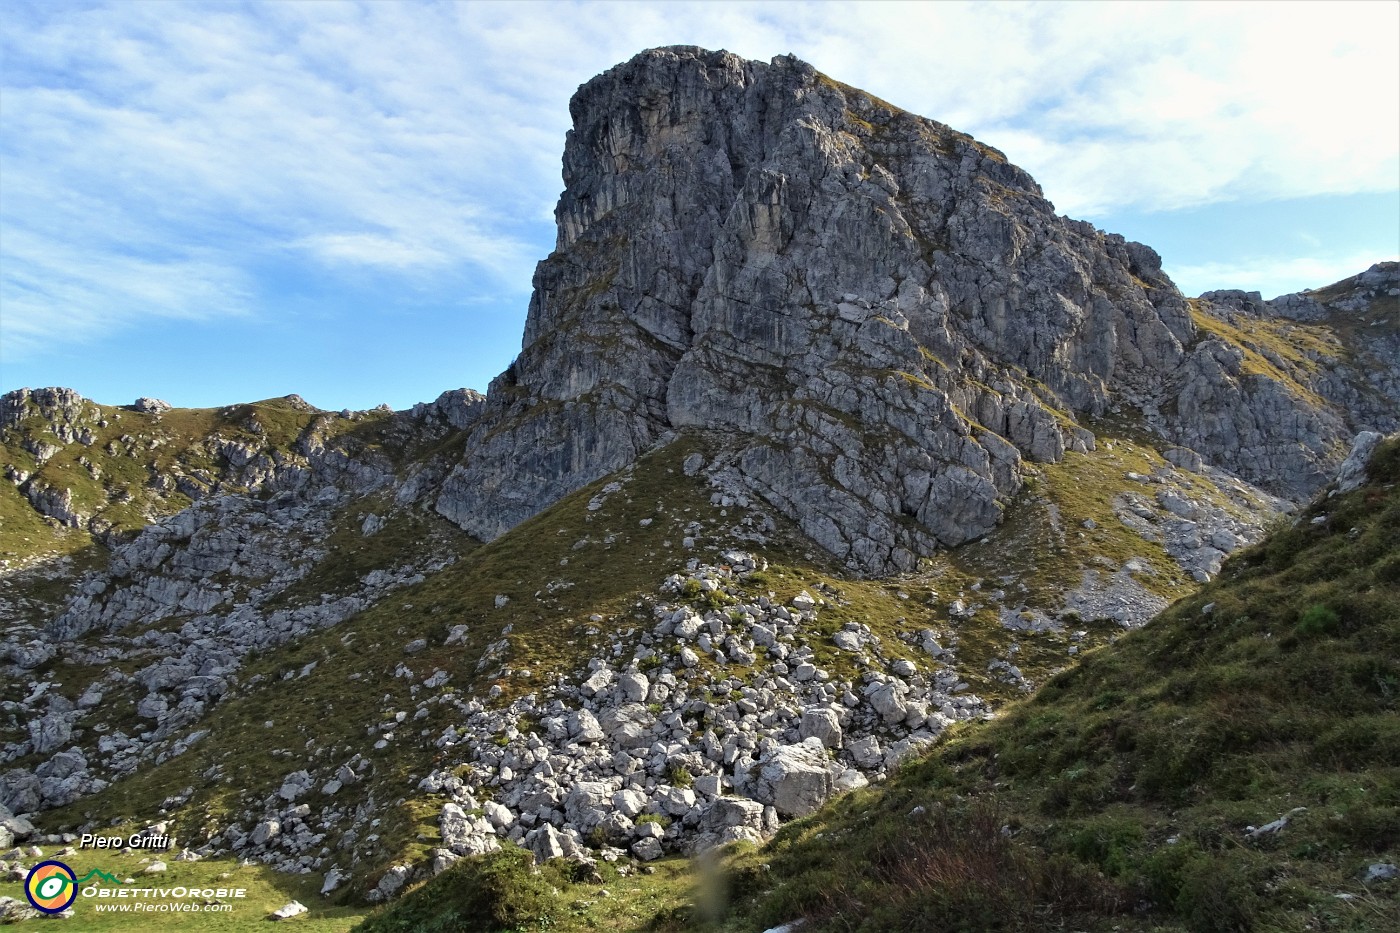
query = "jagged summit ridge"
{"x": 883, "y": 315}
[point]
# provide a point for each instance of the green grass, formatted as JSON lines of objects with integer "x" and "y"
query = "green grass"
{"x": 1281, "y": 351}
{"x": 28, "y": 535}
{"x": 320, "y": 719}
{"x": 1125, "y": 785}
{"x": 1095, "y": 774}
{"x": 505, "y": 892}
{"x": 1085, "y": 486}
{"x": 110, "y": 480}
{"x": 600, "y": 561}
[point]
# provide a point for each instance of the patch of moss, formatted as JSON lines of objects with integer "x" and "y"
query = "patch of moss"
{"x": 1283, "y": 352}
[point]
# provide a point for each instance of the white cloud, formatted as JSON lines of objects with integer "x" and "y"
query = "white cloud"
{"x": 1292, "y": 273}
{"x": 182, "y": 130}
{"x": 423, "y": 140}
{"x": 1142, "y": 105}
{"x": 54, "y": 294}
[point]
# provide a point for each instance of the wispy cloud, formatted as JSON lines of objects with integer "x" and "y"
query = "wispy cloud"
{"x": 188, "y": 142}
{"x": 1293, "y": 273}
{"x": 54, "y": 294}
{"x": 173, "y": 142}
{"x": 1145, "y": 105}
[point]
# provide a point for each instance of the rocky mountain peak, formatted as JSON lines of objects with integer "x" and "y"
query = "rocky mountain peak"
{"x": 882, "y": 322}
{"x": 884, "y": 317}
{"x": 780, "y": 311}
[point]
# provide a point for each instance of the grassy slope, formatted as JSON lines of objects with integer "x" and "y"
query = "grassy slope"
{"x": 112, "y": 478}
{"x": 552, "y": 634}
{"x": 320, "y": 719}
{"x": 1284, "y": 351}
{"x": 1125, "y": 784}
{"x": 1294, "y": 353}
{"x": 505, "y": 891}
{"x": 501, "y": 895}
{"x": 609, "y": 558}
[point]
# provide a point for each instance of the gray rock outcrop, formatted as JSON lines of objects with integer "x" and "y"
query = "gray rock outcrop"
{"x": 794, "y": 779}
{"x": 1352, "y": 474}
{"x": 883, "y": 316}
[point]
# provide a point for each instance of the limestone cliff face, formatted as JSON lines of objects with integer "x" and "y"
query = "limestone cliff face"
{"x": 884, "y": 315}
{"x": 1275, "y": 390}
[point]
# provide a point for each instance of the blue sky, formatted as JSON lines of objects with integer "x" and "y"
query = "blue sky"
{"x": 220, "y": 202}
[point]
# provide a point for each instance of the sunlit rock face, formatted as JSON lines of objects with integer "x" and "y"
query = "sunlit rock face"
{"x": 884, "y": 317}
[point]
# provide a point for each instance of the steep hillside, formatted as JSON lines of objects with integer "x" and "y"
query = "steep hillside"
{"x": 154, "y": 689}
{"x": 106, "y": 472}
{"x": 1233, "y": 766}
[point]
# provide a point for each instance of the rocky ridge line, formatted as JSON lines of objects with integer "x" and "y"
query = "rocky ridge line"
{"x": 886, "y": 314}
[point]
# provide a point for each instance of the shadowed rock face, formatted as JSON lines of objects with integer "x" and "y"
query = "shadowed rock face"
{"x": 883, "y": 315}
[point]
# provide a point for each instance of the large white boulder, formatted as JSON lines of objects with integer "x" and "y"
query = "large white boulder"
{"x": 795, "y": 779}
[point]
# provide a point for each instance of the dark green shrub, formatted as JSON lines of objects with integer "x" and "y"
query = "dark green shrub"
{"x": 1216, "y": 896}
{"x": 489, "y": 893}
{"x": 1317, "y": 620}
{"x": 1108, "y": 842}
{"x": 1369, "y": 826}
{"x": 1388, "y": 570}
{"x": 1212, "y": 892}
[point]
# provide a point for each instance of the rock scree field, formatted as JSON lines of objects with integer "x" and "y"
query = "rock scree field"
{"x": 855, "y": 544}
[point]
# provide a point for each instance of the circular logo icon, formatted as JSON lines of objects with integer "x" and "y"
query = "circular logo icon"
{"x": 51, "y": 887}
